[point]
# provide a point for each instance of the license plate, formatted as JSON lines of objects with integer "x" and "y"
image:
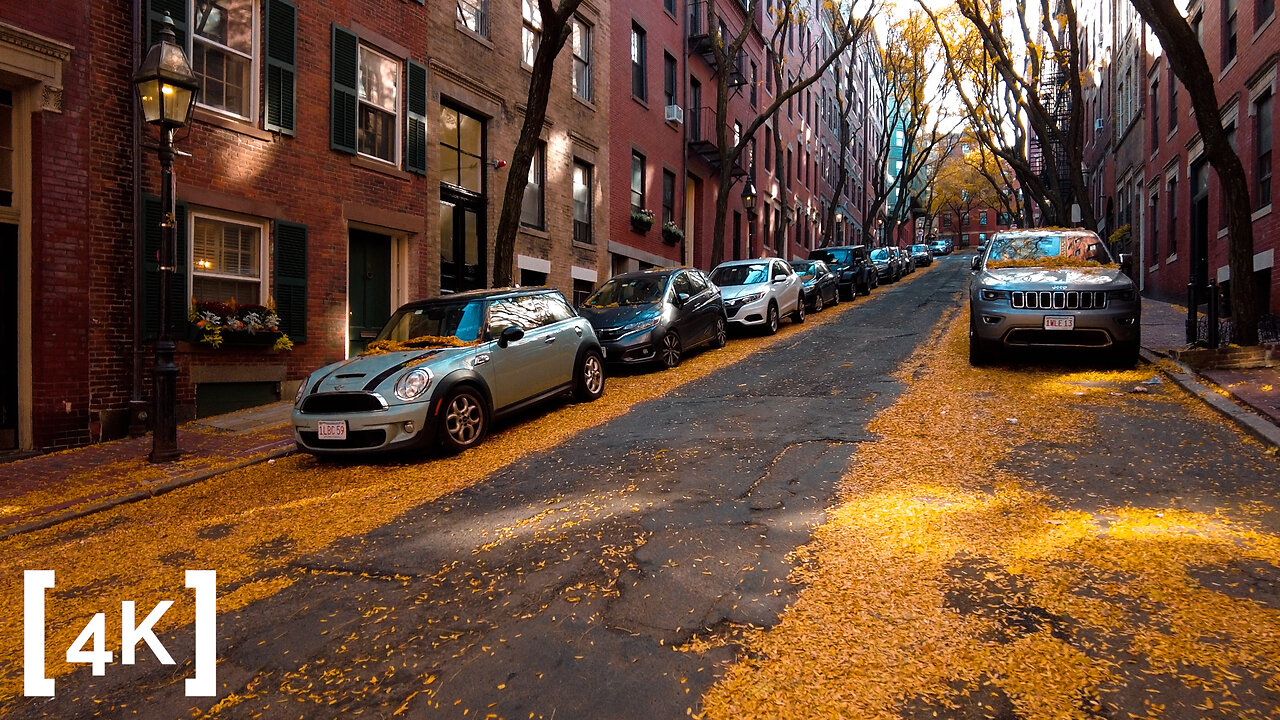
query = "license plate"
{"x": 1059, "y": 322}
{"x": 332, "y": 430}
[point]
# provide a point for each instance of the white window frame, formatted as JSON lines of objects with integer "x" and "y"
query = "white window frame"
{"x": 255, "y": 62}
{"x": 479, "y": 9}
{"x": 398, "y": 123}
{"x": 588, "y": 33}
{"x": 264, "y": 262}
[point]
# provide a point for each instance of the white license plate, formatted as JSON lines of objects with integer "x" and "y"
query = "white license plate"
{"x": 332, "y": 430}
{"x": 1059, "y": 322}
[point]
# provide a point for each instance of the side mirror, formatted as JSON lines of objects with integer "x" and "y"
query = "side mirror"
{"x": 1126, "y": 262}
{"x": 510, "y": 335}
{"x": 682, "y": 298}
{"x": 779, "y": 278}
{"x": 975, "y": 263}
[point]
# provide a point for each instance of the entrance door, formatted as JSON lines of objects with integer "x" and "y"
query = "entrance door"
{"x": 368, "y": 287}
{"x": 461, "y": 244}
{"x": 8, "y": 337}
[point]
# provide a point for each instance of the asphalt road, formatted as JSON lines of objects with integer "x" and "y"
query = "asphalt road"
{"x": 578, "y": 582}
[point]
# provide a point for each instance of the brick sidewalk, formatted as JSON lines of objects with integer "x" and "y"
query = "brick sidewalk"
{"x": 43, "y": 489}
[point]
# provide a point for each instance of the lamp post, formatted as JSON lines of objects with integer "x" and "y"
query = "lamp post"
{"x": 166, "y": 91}
{"x": 749, "y": 204}
{"x": 839, "y": 228}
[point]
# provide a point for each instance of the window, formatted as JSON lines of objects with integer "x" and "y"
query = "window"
{"x": 532, "y": 278}
{"x": 581, "y": 202}
{"x": 669, "y": 6}
{"x": 227, "y": 260}
{"x": 668, "y": 196}
{"x": 582, "y": 59}
{"x": 755, "y": 84}
{"x": 1173, "y": 102}
{"x": 1173, "y": 216}
{"x": 768, "y": 150}
{"x": 637, "y": 181}
{"x": 6, "y": 148}
{"x": 768, "y": 72}
{"x": 639, "y": 78}
{"x": 460, "y": 146}
{"x": 1229, "y": 26}
{"x": 1155, "y": 115}
{"x": 787, "y": 169}
{"x": 222, "y": 54}
{"x": 669, "y": 79}
{"x": 946, "y": 221}
{"x": 582, "y": 290}
{"x": 531, "y": 30}
{"x": 1262, "y": 11}
{"x": 531, "y": 209}
{"x": 379, "y": 120}
{"x": 982, "y": 217}
{"x": 474, "y": 16}
{"x": 1263, "y": 140}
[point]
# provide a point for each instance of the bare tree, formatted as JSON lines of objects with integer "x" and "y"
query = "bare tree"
{"x": 556, "y": 29}
{"x": 1186, "y": 57}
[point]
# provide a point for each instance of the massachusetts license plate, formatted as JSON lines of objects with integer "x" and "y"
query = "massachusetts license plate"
{"x": 332, "y": 430}
{"x": 1059, "y": 322}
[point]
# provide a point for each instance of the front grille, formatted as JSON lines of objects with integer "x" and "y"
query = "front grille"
{"x": 609, "y": 334}
{"x": 1059, "y": 300}
{"x": 1059, "y": 338}
{"x": 356, "y": 439}
{"x": 342, "y": 402}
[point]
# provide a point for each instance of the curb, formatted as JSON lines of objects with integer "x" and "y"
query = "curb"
{"x": 139, "y": 495}
{"x": 1247, "y": 420}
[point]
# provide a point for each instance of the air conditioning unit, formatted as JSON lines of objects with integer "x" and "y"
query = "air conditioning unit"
{"x": 1097, "y": 124}
{"x": 675, "y": 114}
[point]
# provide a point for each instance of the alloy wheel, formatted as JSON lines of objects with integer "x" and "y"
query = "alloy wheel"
{"x": 669, "y": 354}
{"x": 464, "y": 420}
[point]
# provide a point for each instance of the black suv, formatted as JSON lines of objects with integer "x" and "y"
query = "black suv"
{"x": 852, "y": 266}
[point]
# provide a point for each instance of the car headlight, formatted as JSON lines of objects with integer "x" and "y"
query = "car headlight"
{"x": 302, "y": 390}
{"x": 992, "y": 295}
{"x": 642, "y": 325}
{"x": 748, "y": 298}
{"x": 413, "y": 384}
{"x": 1126, "y": 295}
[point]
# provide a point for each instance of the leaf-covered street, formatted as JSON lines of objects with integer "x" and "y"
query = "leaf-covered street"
{"x": 842, "y": 521}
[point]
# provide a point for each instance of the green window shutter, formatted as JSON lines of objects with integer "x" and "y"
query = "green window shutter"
{"x": 345, "y": 71}
{"x": 177, "y": 10}
{"x": 291, "y": 279}
{"x": 415, "y": 147}
{"x": 179, "y": 301}
{"x": 281, "y": 21}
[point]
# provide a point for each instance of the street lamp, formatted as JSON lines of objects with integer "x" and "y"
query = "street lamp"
{"x": 166, "y": 91}
{"x": 749, "y": 204}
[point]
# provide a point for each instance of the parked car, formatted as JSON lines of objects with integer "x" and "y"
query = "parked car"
{"x": 442, "y": 370}
{"x": 921, "y": 256}
{"x": 853, "y": 268}
{"x": 821, "y": 288}
{"x": 1052, "y": 288}
{"x": 757, "y": 293}
{"x": 656, "y": 315}
{"x": 886, "y": 267}
{"x": 906, "y": 265}
{"x": 940, "y": 247}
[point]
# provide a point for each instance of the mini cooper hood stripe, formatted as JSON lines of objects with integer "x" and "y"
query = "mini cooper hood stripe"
{"x": 377, "y": 379}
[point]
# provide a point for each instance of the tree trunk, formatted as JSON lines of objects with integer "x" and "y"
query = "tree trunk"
{"x": 1186, "y": 57}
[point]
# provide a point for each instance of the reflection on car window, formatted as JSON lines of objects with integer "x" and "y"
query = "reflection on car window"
{"x": 558, "y": 307}
{"x": 509, "y": 312}
{"x": 1073, "y": 249}
{"x": 696, "y": 281}
{"x": 881, "y": 254}
{"x": 806, "y": 270}
{"x": 457, "y": 319}
{"x": 728, "y": 275}
{"x": 681, "y": 285}
{"x": 628, "y": 291}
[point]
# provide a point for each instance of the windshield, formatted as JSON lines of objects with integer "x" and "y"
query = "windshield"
{"x": 628, "y": 291}
{"x": 805, "y": 270}
{"x": 919, "y": 248}
{"x": 727, "y": 275}
{"x": 881, "y": 254}
{"x": 839, "y": 257}
{"x": 1068, "y": 250}
{"x": 459, "y": 320}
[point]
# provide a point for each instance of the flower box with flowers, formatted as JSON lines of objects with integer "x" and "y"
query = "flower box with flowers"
{"x": 672, "y": 233}
{"x": 641, "y": 220}
{"x": 218, "y": 324}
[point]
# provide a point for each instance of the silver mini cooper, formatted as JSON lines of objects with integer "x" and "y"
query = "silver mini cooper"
{"x": 442, "y": 370}
{"x": 1052, "y": 288}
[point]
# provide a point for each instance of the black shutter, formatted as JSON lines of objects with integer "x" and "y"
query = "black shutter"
{"x": 179, "y": 301}
{"x": 291, "y": 279}
{"x": 345, "y": 72}
{"x": 281, "y": 21}
{"x": 156, "y": 9}
{"x": 415, "y": 147}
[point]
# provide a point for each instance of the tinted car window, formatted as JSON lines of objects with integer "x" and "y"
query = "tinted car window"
{"x": 628, "y": 291}
{"x": 681, "y": 285}
{"x": 457, "y": 319}
{"x": 696, "y": 281}
{"x": 839, "y": 256}
{"x": 781, "y": 269}
{"x": 881, "y": 254}
{"x": 806, "y": 269}
{"x": 740, "y": 274}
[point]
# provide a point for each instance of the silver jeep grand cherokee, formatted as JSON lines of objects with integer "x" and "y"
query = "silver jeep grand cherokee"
{"x": 1052, "y": 288}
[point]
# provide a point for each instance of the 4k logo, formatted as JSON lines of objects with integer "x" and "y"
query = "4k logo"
{"x": 34, "y": 682}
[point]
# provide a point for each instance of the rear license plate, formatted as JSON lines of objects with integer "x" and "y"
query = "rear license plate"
{"x": 332, "y": 430}
{"x": 1059, "y": 322}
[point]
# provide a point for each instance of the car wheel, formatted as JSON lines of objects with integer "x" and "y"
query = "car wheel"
{"x": 875, "y": 283}
{"x": 463, "y": 420}
{"x": 798, "y": 316}
{"x": 835, "y": 298}
{"x": 819, "y": 302}
{"x": 721, "y": 336}
{"x": 589, "y": 381}
{"x": 771, "y": 319}
{"x": 669, "y": 351}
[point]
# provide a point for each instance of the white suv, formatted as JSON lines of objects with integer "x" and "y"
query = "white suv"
{"x": 757, "y": 293}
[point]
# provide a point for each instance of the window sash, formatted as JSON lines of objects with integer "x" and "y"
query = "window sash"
{"x": 637, "y": 181}
{"x": 474, "y": 16}
{"x": 216, "y": 248}
{"x": 639, "y": 78}
{"x": 202, "y": 47}
{"x": 582, "y": 202}
{"x": 532, "y": 206}
{"x": 582, "y": 59}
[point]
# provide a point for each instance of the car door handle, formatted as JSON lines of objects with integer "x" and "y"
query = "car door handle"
{"x": 549, "y": 339}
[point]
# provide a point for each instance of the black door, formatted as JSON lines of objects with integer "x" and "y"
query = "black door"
{"x": 368, "y": 287}
{"x": 8, "y": 337}
{"x": 461, "y": 241}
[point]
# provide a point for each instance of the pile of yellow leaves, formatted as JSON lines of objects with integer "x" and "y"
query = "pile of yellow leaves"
{"x": 425, "y": 342}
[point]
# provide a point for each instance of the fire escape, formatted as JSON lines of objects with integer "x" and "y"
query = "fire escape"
{"x": 702, "y": 122}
